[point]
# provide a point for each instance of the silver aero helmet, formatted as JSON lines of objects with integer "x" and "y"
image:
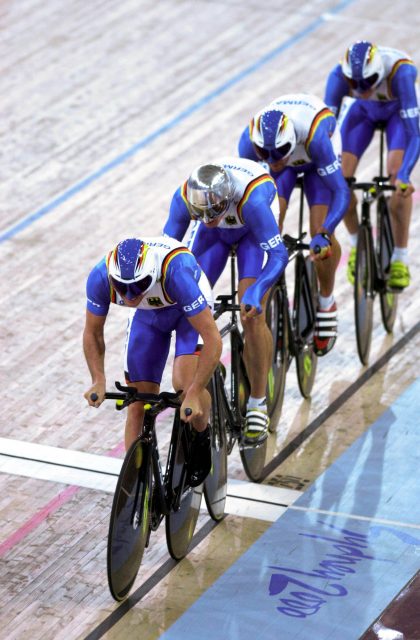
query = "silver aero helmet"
{"x": 363, "y": 66}
{"x": 209, "y": 192}
{"x": 272, "y": 134}
{"x": 132, "y": 268}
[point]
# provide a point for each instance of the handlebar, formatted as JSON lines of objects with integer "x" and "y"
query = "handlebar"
{"x": 377, "y": 183}
{"x": 296, "y": 244}
{"x": 128, "y": 395}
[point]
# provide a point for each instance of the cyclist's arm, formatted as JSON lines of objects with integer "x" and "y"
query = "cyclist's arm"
{"x": 245, "y": 146}
{"x": 97, "y": 305}
{"x": 94, "y": 350}
{"x": 210, "y": 353}
{"x": 179, "y": 216}
{"x": 328, "y": 168}
{"x": 404, "y": 88}
{"x": 260, "y": 219}
{"x": 337, "y": 87}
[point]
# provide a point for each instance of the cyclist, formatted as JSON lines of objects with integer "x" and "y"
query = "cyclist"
{"x": 235, "y": 202}
{"x": 382, "y": 81}
{"x": 160, "y": 281}
{"x": 297, "y": 134}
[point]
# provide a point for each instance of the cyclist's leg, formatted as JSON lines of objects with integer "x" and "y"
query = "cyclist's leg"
{"x": 401, "y": 207}
{"x": 186, "y": 360}
{"x": 285, "y": 182}
{"x": 146, "y": 352}
{"x": 210, "y": 251}
{"x": 319, "y": 199}
{"x": 258, "y": 348}
{"x": 356, "y": 133}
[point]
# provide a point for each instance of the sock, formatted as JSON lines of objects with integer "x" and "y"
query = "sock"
{"x": 400, "y": 254}
{"x": 257, "y": 403}
{"x": 326, "y": 303}
{"x": 353, "y": 239}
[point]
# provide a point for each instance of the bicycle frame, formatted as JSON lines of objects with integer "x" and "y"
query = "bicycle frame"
{"x": 372, "y": 258}
{"x": 234, "y": 406}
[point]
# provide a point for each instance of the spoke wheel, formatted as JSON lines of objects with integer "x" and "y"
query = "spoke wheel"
{"x": 276, "y": 317}
{"x": 130, "y": 519}
{"x": 363, "y": 295}
{"x": 306, "y": 358}
{"x": 181, "y": 520}
{"x": 385, "y": 247}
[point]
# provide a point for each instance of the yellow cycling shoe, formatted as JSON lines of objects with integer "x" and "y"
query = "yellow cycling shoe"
{"x": 399, "y": 275}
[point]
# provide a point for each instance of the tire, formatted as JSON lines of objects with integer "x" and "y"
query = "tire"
{"x": 130, "y": 519}
{"x": 306, "y": 297}
{"x": 181, "y": 521}
{"x": 252, "y": 456}
{"x": 385, "y": 247}
{"x": 363, "y": 294}
{"x": 215, "y": 485}
{"x": 276, "y": 317}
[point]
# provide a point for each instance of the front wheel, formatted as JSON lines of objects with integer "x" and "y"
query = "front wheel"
{"x": 215, "y": 485}
{"x": 252, "y": 456}
{"x": 130, "y": 519}
{"x": 276, "y": 317}
{"x": 306, "y": 296}
{"x": 363, "y": 294}
{"x": 184, "y": 500}
{"x": 385, "y": 247}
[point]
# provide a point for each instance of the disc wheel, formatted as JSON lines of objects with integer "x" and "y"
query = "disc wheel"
{"x": 130, "y": 519}
{"x": 276, "y": 317}
{"x": 306, "y": 358}
{"x": 181, "y": 521}
{"x": 363, "y": 295}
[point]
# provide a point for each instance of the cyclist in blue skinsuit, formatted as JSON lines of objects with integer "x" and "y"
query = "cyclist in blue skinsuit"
{"x": 160, "y": 280}
{"x": 382, "y": 81}
{"x": 297, "y": 134}
{"x": 235, "y": 203}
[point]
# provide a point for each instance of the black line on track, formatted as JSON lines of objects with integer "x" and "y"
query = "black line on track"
{"x": 338, "y": 403}
{"x": 59, "y": 464}
{"x": 163, "y": 571}
{"x": 147, "y": 586}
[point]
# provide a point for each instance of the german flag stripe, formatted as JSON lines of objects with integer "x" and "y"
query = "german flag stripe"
{"x": 325, "y": 113}
{"x": 165, "y": 265}
{"x": 112, "y": 291}
{"x": 250, "y": 188}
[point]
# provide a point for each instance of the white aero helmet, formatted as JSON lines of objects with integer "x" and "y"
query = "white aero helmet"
{"x": 209, "y": 192}
{"x": 272, "y": 134}
{"x": 363, "y": 66}
{"x": 132, "y": 268}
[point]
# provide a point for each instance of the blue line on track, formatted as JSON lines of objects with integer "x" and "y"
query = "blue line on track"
{"x": 171, "y": 124}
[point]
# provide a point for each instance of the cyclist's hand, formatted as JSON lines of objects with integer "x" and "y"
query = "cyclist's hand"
{"x": 320, "y": 246}
{"x": 99, "y": 390}
{"x": 248, "y": 311}
{"x": 404, "y": 189}
{"x": 199, "y": 404}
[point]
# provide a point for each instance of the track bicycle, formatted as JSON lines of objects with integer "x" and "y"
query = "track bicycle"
{"x": 373, "y": 258}
{"x": 229, "y": 404}
{"x": 293, "y": 329}
{"x": 144, "y": 494}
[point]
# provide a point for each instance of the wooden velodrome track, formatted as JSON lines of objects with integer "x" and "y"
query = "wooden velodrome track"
{"x": 105, "y": 109}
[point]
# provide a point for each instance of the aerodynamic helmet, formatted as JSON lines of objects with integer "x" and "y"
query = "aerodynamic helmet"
{"x": 363, "y": 66}
{"x": 209, "y": 192}
{"x": 132, "y": 268}
{"x": 272, "y": 134}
